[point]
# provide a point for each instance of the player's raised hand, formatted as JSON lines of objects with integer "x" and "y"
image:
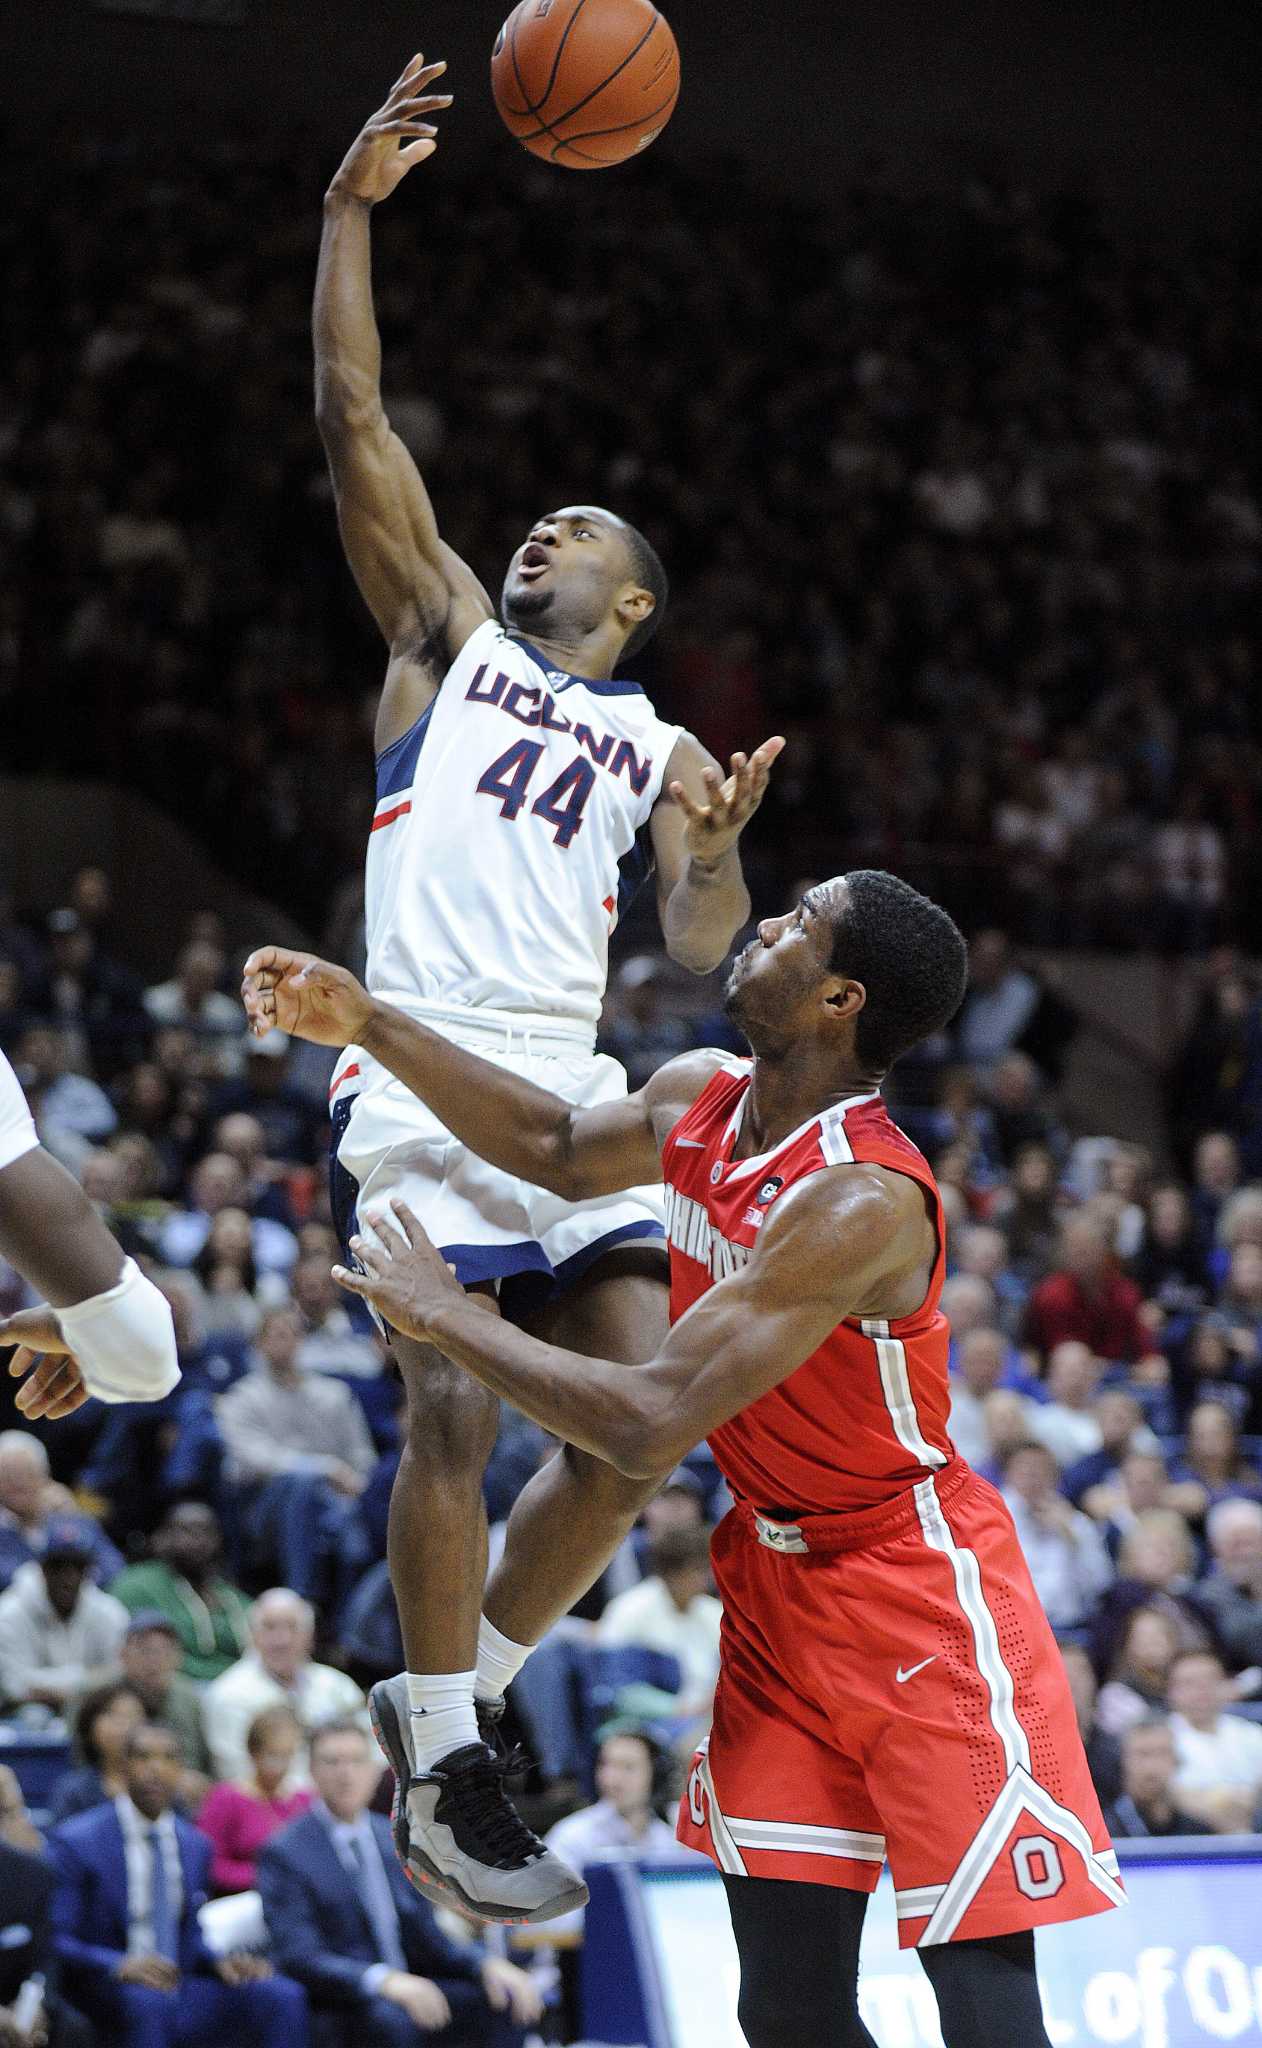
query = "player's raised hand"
{"x": 715, "y": 825}
{"x": 404, "y": 1276}
{"x": 396, "y": 138}
{"x": 54, "y": 1384}
{"x": 308, "y": 997}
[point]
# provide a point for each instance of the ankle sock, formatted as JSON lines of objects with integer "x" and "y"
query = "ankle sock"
{"x": 499, "y": 1661}
{"x": 443, "y": 1716}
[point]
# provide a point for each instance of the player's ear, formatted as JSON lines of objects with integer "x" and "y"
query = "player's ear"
{"x": 844, "y": 998}
{"x": 635, "y": 605}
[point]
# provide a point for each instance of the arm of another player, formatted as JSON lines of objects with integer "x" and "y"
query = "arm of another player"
{"x": 523, "y": 1130}
{"x": 848, "y": 1241}
{"x": 423, "y": 597}
{"x": 103, "y": 1329}
{"x": 696, "y": 825}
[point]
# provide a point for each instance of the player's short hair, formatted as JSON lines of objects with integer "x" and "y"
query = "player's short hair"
{"x": 909, "y": 955}
{"x": 646, "y": 567}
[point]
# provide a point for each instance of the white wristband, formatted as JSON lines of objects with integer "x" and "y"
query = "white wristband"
{"x": 124, "y": 1340}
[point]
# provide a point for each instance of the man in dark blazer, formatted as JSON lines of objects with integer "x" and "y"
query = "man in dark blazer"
{"x": 26, "y": 1952}
{"x": 346, "y": 1923}
{"x": 130, "y": 1877}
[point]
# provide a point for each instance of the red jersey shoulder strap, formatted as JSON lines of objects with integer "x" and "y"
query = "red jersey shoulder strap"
{"x": 865, "y": 1133}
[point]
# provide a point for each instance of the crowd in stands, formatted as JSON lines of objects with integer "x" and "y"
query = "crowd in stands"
{"x": 981, "y": 532}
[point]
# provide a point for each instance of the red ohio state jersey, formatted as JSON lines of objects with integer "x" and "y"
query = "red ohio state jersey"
{"x": 865, "y": 1416}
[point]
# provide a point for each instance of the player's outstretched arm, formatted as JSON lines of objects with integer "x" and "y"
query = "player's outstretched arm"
{"x": 696, "y": 826}
{"x": 848, "y": 1241}
{"x": 423, "y": 597}
{"x": 522, "y": 1129}
{"x": 103, "y": 1328}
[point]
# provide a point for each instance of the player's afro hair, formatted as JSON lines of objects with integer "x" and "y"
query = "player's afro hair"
{"x": 648, "y": 572}
{"x": 910, "y": 957}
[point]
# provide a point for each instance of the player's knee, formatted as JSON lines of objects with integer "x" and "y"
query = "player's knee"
{"x": 451, "y": 1420}
{"x": 784, "y": 2013}
{"x": 606, "y": 1489}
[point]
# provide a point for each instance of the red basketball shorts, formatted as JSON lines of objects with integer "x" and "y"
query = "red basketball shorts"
{"x": 890, "y": 1689}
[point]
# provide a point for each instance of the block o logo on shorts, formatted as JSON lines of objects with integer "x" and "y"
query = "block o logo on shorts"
{"x": 1037, "y": 1867}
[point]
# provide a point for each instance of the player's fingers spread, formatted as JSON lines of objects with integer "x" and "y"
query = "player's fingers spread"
{"x": 354, "y": 1283}
{"x": 22, "y": 1361}
{"x": 685, "y": 802}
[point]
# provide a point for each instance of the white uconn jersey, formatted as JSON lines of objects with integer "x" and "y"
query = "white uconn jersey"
{"x": 511, "y": 824}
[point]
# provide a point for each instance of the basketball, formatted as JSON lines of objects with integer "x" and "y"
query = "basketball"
{"x": 585, "y": 83}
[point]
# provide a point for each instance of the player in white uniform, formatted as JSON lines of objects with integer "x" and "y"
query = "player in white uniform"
{"x": 104, "y": 1329}
{"x": 521, "y": 790}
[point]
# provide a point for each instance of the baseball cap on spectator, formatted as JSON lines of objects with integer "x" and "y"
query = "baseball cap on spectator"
{"x": 64, "y": 1537}
{"x": 148, "y": 1621}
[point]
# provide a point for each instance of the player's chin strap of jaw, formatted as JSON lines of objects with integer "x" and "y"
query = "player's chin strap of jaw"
{"x": 124, "y": 1340}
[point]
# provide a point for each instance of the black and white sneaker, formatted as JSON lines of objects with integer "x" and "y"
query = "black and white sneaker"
{"x": 457, "y": 1832}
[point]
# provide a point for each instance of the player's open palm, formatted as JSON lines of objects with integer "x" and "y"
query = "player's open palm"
{"x": 306, "y": 996}
{"x": 716, "y": 821}
{"x": 54, "y": 1382}
{"x": 397, "y": 137}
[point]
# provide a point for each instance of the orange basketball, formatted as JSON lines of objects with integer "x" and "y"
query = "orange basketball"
{"x": 585, "y": 83}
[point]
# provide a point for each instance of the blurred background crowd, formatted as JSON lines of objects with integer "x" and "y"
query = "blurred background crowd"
{"x": 961, "y": 496}
{"x": 961, "y": 493}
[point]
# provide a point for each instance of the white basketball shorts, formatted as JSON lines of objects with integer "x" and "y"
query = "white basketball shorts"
{"x": 488, "y": 1225}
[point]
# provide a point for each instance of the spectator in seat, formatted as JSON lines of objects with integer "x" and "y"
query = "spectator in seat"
{"x": 1027, "y": 1210}
{"x": 27, "y": 1958}
{"x": 634, "y": 1782}
{"x": 345, "y": 1922}
{"x": 330, "y": 1342}
{"x": 1213, "y": 1456}
{"x": 182, "y": 1579}
{"x": 58, "y": 1632}
{"x": 1001, "y": 1001}
{"x": 1019, "y": 1117}
{"x": 240, "y": 1817}
{"x": 193, "y": 1000}
{"x": 1216, "y": 1175}
{"x": 130, "y": 1878}
{"x": 1156, "y": 1560}
{"x": 30, "y": 1502}
{"x": 1067, "y": 1423}
{"x": 1064, "y": 1550}
{"x": 1231, "y": 1593}
{"x": 674, "y": 1611}
{"x": 1219, "y": 1775}
{"x": 1140, "y": 1673}
{"x": 1086, "y": 1298}
{"x": 1104, "y": 1752}
{"x": 1147, "y": 1803}
{"x": 1091, "y": 1482}
{"x": 981, "y": 1360}
{"x": 299, "y": 1448}
{"x": 216, "y": 1183}
{"x": 150, "y": 1663}
{"x": 106, "y": 1719}
{"x": 277, "y": 1670}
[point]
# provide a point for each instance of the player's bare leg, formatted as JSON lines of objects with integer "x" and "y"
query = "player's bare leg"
{"x": 455, "y": 1830}
{"x": 567, "y": 1523}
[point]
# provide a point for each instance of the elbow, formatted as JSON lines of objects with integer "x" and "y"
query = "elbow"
{"x": 345, "y": 407}
{"x": 646, "y": 1449}
{"x": 698, "y": 954}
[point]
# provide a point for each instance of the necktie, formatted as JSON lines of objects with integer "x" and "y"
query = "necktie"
{"x": 374, "y": 1893}
{"x": 166, "y": 1941}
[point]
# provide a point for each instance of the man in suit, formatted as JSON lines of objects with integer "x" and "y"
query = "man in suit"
{"x": 28, "y": 2014}
{"x": 130, "y": 1877}
{"x": 346, "y": 1923}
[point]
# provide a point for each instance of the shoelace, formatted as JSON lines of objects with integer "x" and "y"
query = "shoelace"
{"x": 498, "y": 1832}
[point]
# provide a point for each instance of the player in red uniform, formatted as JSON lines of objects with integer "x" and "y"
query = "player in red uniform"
{"x": 890, "y": 1687}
